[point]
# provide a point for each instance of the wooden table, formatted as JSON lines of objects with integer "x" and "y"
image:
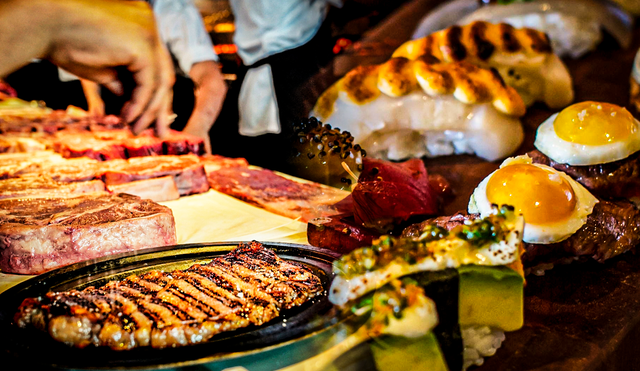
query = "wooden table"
{"x": 577, "y": 317}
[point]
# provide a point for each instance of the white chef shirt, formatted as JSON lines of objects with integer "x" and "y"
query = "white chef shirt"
{"x": 182, "y": 30}
{"x": 265, "y": 28}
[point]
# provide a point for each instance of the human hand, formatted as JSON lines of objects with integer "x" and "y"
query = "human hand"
{"x": 94, "y": 37}
{"x": 92, "y": 95}
{"x": 201, "y": 131}
{"x": 210, "y": 90}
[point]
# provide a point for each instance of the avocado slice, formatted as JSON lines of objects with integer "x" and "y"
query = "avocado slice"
{"x": 393, "y": 353}
{"x": 491, "y": 296}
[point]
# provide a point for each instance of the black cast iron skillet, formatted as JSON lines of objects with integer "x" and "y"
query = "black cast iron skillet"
{"x": 295, "y": 335}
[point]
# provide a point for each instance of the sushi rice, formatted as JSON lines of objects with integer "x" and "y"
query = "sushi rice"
{"x": 480, "y": 342}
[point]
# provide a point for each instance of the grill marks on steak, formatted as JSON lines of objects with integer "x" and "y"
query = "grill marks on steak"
{"x": 611, "y": 229}
{"x": 40, "y": 234}
{"x": 619, "y": 179}
{"x": 176, "y": 308}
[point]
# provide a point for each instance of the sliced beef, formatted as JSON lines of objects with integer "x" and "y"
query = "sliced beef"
{"x": 74, "y": 169}
{"x": 19, "y": 143}
{"x": 619, "y": 179}
{"x": 447, "y": 222}
{"x": 156, "y": 189}
{"x": 339, "y": 233}
{"x": 178, "y": 143}
{"x": 187, "y": 171}
{"x": 44, "y": 186}
{"x": 214, "y": 162}
{"x": 276, "y": 193}
{"x": 122, "y": 143}
{"x": 16, "y": 164}
{"x": 42, "y": 121}
{"x": 40, "y": 234}
{"x": 144, "y": 145}
{"x": 99, "y": 146}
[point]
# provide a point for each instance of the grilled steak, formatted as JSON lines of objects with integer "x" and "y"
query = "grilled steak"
{"x": 250, "y": 285}
{"x": 612, "y": 229}
{"x": 40, "y": 234}
{"x": 619, "y": 179}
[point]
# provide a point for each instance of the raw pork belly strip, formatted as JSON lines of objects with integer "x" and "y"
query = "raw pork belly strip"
{"x": 40, "y": 234}
{"x": 275, "y": 193}
{"x": 250, "y": 285}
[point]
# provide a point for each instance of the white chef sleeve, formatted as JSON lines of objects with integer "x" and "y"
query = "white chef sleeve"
{"x": 182, "y": 30}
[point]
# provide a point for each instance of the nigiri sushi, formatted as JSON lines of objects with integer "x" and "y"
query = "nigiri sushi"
{"x": 523, "y": 57}
{"x": 574, "y": 26}
{"x": 413, "y": 108}
{"x": 468, "y": 272}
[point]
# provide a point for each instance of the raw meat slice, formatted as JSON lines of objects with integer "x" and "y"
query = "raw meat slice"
{"x": 178, "y": 143}
{"x": 40, "y": 234}
{"x": 44, "y": 186}
{"x": 187, "y": 170}
{"x": 72, "y": 144}
{"x": 17, "y": 144}
{"x": 74, "y": 170}
{"x": 339, "y": 233}
{"x": 156, "y": 189}
{"x": 15, "y": 164}
{"x": 144, "y": 146}
{"x": 275, "y": 193}
{"x": 122, "y": 143}
{"x": 216, "y": 162}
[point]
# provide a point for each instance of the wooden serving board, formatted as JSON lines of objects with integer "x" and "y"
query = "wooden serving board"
{"x": 578, "y": 317}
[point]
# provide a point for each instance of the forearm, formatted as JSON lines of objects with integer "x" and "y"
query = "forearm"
{"x": 210, "y": 91}
{"x": 26, "y": 31}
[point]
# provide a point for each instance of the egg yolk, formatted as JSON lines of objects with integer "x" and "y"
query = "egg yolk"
{"x": 594, "y": 123}
{"x": 540, "y": 195}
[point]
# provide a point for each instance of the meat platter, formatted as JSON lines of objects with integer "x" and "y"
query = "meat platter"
{"x": 300, "y": 331}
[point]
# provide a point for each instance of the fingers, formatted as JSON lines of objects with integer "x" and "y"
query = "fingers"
{"x": 165, "y": 117}
{"x": 159, "y": 97}
{"x": 207, "y": 144}
{"x": 142, "y": 94}
{"x": 115, "y": 87}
